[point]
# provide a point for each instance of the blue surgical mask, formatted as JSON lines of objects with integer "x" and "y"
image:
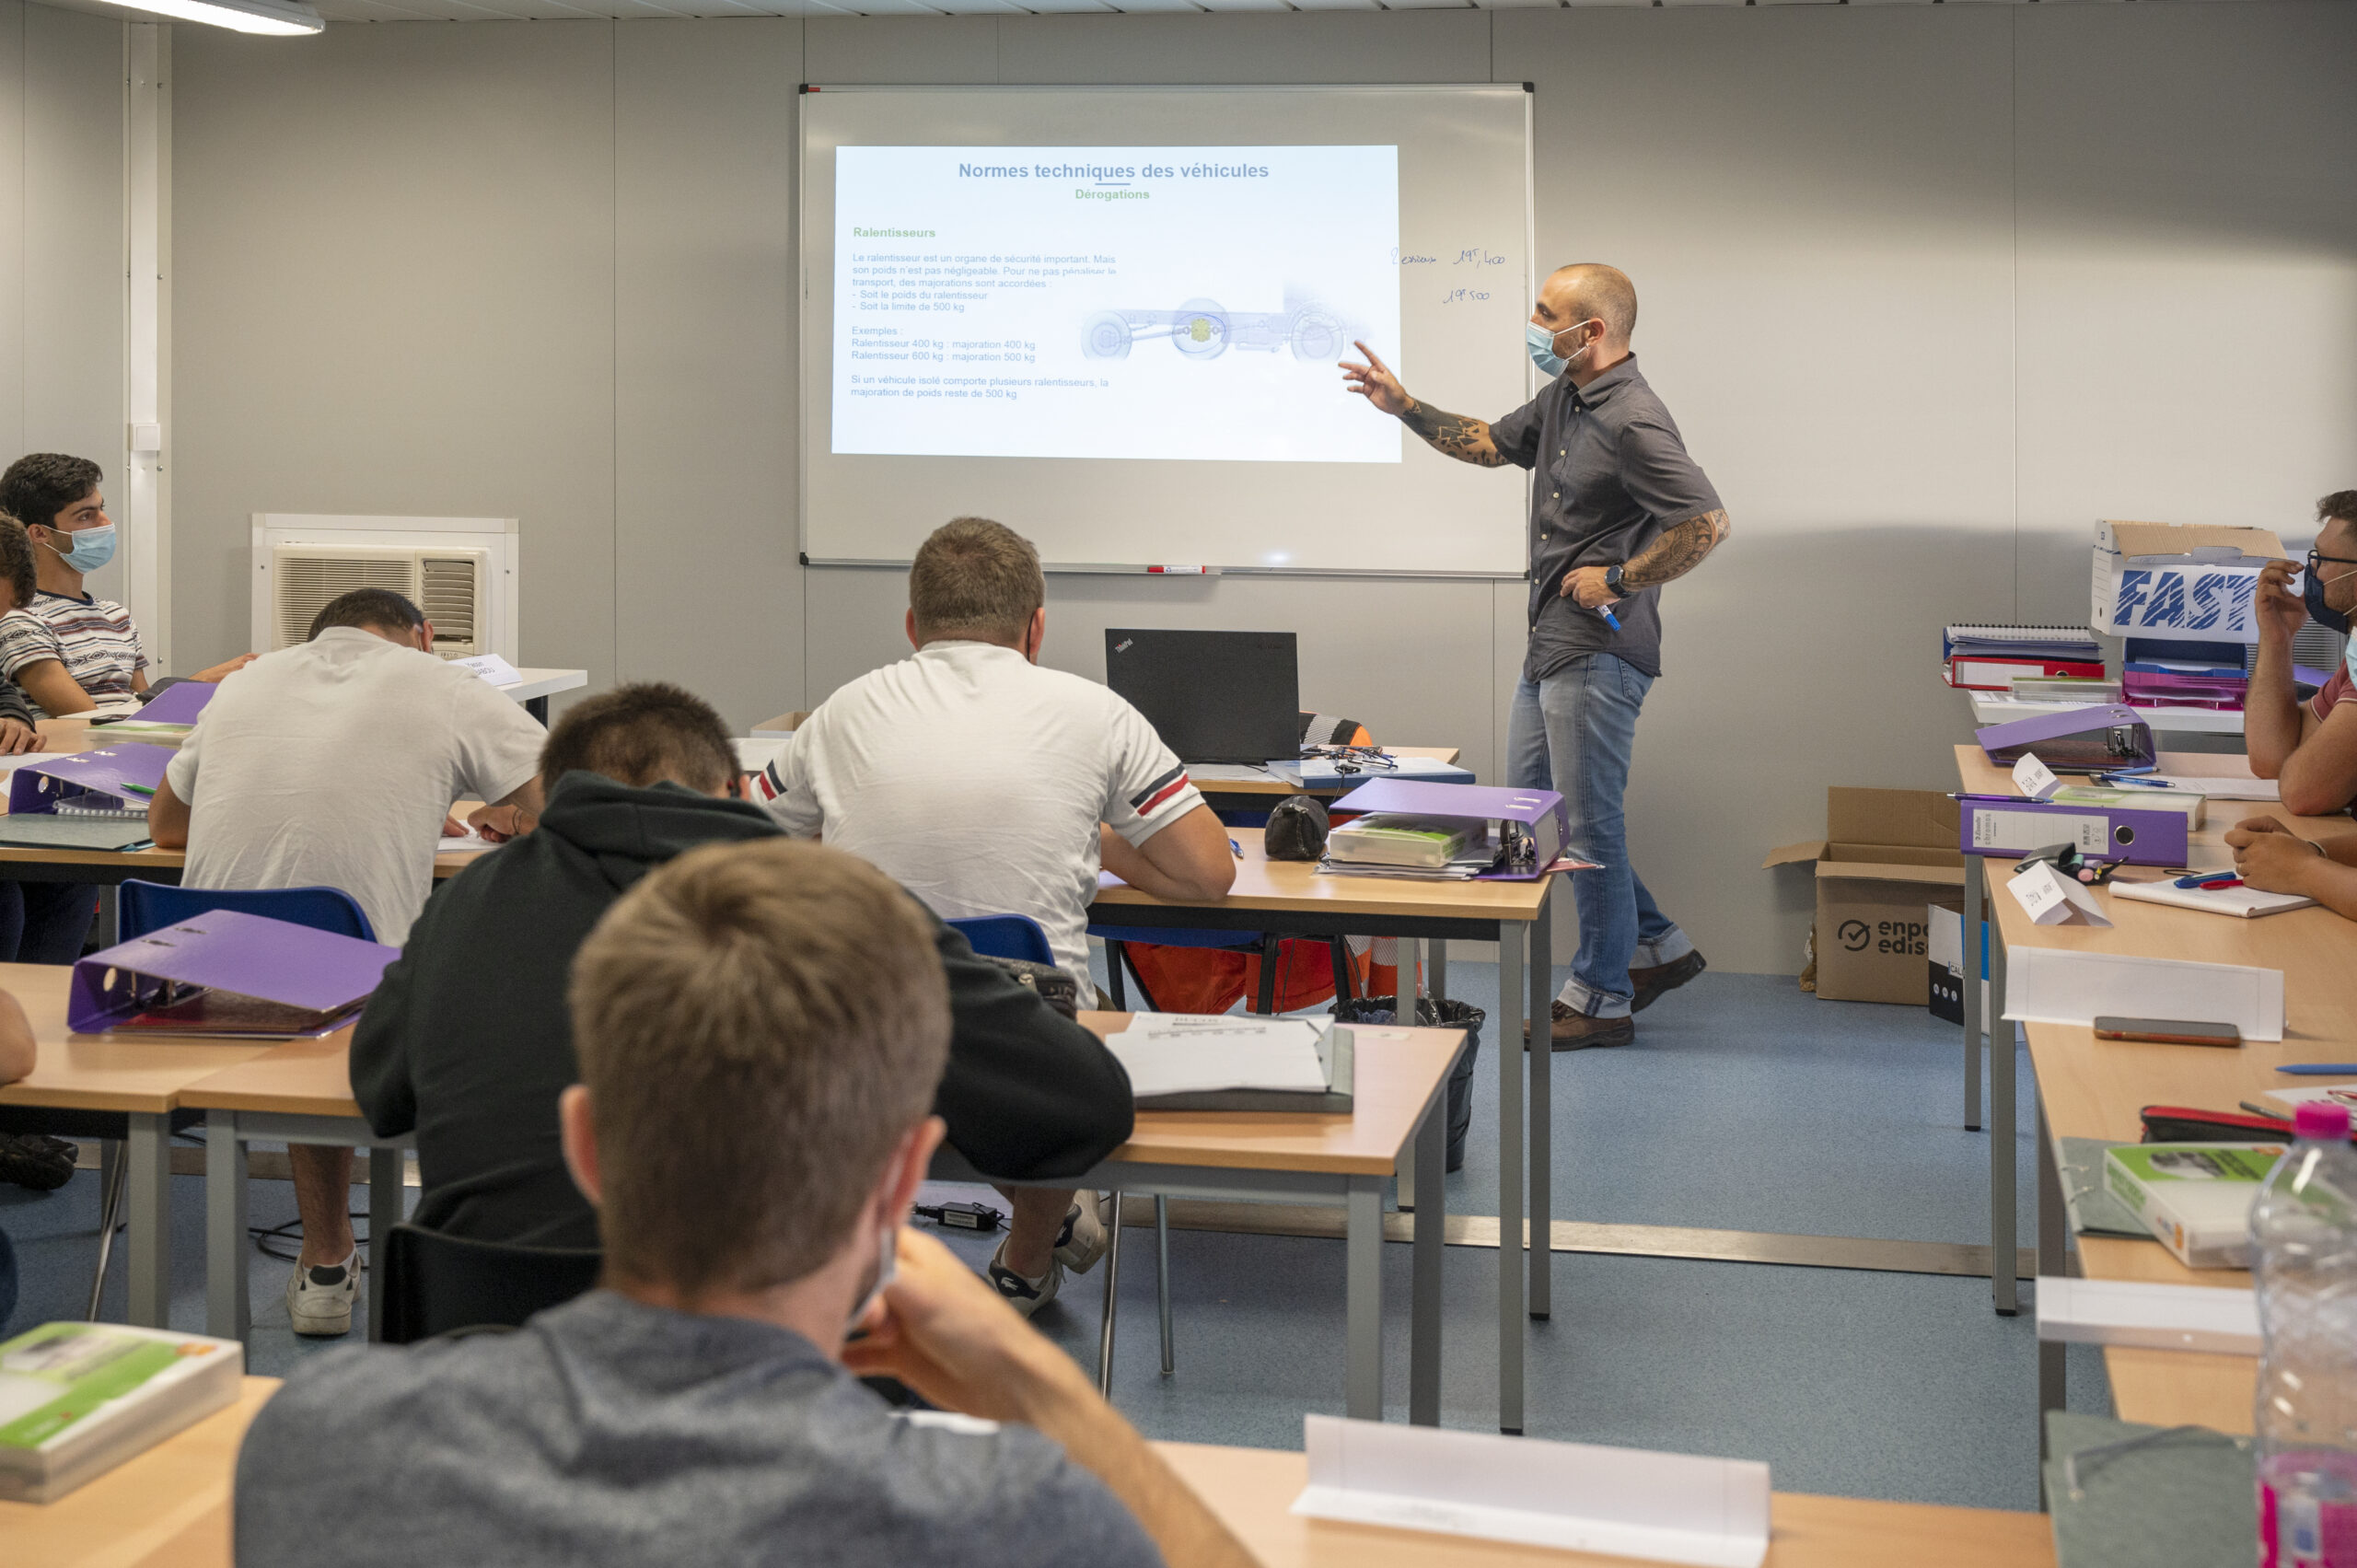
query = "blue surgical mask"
{"x": 93, "y": 548}
{"x": 1541, "y": 344}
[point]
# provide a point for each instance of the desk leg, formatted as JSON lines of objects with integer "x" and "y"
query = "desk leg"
{"x": 1975, "y": 880}
{"x": 227, "y": 1314}
{"x": 2053, "y": 1241}
{"x": 385, "y": 1211}
{"x": 149, "y": 1208}
{"x": 1423, "y": 1296}
{"x": 1363, "y": 1276}
{"x": 2003, "y": 1160}
{"x": 1408, "y": 1012}
{"x": 539, "y": 708}
{"x": 1542, "y": 1111}
{"x": 1510, "y": 1053}
{"x": 1437, "y": 982}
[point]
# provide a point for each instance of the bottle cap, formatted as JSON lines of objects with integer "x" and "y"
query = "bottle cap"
{"x": 2323, "y": 1119}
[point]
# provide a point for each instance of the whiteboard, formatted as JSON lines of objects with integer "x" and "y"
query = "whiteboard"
{"x": 1109, "y": 319}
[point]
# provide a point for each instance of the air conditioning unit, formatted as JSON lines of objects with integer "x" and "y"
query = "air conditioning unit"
{"x": 460, "y": 571}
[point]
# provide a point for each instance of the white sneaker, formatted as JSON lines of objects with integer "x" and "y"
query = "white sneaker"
{"x": 1084, "y": 1238}
{"x": 318, "y": 1301}
{"x": 1026, "y": 1296}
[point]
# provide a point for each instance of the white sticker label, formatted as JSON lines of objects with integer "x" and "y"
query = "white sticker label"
{"x": 2034, "y": 778}
{"x": 2002, "y": 830}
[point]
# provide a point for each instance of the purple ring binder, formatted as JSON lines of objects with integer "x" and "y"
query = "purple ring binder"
{"x": 305, "y": 971}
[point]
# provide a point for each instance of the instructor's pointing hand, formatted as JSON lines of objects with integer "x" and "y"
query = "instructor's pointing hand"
{"x": 1375, "y": 383}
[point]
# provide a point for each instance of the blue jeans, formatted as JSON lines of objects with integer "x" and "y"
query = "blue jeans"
{"x": 1573, "y": 732}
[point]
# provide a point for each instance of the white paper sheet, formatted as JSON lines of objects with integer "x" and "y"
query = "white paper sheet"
{"x": 464, "y": 843}
{"x": 492, "y": 667}
{"x": 1176, "y": 1053}
{"x": 1577, "y": 1496}
{"x": 2056, "y": 985}
{"x": 756, "y": 752}
{"x": 2246, "y": 902}
{"x": 2219, "y": 789}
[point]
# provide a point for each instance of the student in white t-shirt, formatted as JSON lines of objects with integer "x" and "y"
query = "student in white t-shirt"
{"x": 985, "y": 785}
{"x": 333, "y": 763}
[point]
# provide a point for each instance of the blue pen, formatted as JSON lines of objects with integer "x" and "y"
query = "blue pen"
{"x": 2209, "y": 880}
{"x": 1610, "y": 619}
{"x": 2318, "y": 1069}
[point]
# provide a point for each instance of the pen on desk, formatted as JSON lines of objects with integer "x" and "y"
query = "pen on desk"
{"x": 2209, "y": 880}
{"x": 2318, "y": 1069}
{"x": 1237, "y": 847}
{"x": 2262, "y": 1110}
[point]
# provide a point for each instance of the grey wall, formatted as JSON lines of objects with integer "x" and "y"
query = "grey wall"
{"x": 61, "y": 236}
{"x": 1929, "y": 288}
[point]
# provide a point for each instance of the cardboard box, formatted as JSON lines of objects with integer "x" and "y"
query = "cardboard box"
{"x": 1887, "y": 855}
{"x": 2186, "y": 582}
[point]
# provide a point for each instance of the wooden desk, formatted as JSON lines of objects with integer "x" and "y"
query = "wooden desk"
{"x": 1293, "y": 899}
{"x": 107, "y": 867}
{"x": 2090, "y": 1088}
{"x": 1252, "y": 1491}
{"x": 136, "y": 1077}
{"x": 167, "y": 1508}
{"x": 301, "y": 1092}
{"x": 170, "y": 1508}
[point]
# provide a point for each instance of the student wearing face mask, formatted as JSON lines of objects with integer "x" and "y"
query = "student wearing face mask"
{"x": 72, "y": 652}
{"x": 1617, "y": 510}
{"x": 2310, "y": 748}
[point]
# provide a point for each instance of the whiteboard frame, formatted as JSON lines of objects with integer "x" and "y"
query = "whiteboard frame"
{"x": 803, "y": 354}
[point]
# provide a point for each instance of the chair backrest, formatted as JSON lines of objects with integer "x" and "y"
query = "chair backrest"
{"x": 144, "y": 907}
{"x": 1006, "y": 937}
{"x": 435, "y": 1284}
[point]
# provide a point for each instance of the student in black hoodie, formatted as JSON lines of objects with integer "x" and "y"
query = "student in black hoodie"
{"x": 466, "y": 1041}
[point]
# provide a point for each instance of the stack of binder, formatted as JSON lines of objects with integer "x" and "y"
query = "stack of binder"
{"x": 1989, "y": 658}
{"x": 2168, "y": 673}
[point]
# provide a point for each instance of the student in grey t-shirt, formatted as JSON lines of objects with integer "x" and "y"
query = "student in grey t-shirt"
{"x": 759, "y": 1027}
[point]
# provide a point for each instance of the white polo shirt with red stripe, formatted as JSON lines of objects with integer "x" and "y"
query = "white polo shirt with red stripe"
{"x": 976, "y": 780}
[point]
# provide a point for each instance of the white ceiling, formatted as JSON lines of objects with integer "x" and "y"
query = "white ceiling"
{"x": 553, "y": 10}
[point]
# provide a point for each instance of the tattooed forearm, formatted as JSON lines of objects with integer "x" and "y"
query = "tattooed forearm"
{"x": 1453, "y": 434}
{"x": 1678, "y": 551}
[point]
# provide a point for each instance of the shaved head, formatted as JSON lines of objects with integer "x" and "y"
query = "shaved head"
{"x": 1590, "y": 290}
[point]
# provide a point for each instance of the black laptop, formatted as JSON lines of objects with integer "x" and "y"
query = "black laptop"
{"x": 1212, "y": 696}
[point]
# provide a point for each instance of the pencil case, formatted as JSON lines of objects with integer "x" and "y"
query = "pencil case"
{"x": 2183, "y": 1124}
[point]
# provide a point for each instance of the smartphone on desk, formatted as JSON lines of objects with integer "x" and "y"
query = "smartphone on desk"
{"x": 2168, "y": 1031}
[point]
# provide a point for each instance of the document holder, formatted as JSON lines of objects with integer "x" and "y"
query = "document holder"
{"x": 226, "y": 973}
{"x": 1336, "y": 1054}
{"x": 121, "y": 777}
{"x": 2111, "y": 738}
{"x": 1539, "y": 810}
{"x": 2006, "y": 824}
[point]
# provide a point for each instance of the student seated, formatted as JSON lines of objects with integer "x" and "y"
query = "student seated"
{"x": 71, "y": 653}
{"x": 985, "y": 785}
{"x": 334, "y": 763}
{"x": 2273, "y": 859}
{"x": 761, "y": 1028}
{"x": 2310, "y": 748}
{"x": 470, "y": 1055}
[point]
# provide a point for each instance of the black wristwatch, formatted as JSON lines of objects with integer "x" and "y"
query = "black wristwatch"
{"x": 1612, "y": 578}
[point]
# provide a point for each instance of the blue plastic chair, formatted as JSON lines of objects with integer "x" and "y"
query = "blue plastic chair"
{"x": 143, "y": 907}
{"x": 1006, "y": 937}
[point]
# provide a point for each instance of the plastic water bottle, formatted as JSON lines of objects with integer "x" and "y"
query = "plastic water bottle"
{"x": 2304, "y": 1265}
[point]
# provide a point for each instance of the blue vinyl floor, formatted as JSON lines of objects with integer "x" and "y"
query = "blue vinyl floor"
{"x": 1745, "y": 1104}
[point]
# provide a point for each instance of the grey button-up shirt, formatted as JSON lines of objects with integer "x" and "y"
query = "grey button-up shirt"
{"x": 1609, "y": 473}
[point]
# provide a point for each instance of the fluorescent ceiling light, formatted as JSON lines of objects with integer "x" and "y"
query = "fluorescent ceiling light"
{"x": 281, "y": 18}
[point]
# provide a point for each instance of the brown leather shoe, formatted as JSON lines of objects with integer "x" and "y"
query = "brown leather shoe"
{"x": 1653, "y": 985}
{"x": 1577, "y": 1031}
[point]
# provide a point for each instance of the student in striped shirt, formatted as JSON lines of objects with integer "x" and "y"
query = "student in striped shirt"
{"x": 72, "y": 652}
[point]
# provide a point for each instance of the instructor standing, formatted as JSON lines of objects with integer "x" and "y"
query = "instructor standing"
{"x": 1618, "y": 510}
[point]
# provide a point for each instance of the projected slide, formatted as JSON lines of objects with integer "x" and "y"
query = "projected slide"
{"x": 1113, "y": 302}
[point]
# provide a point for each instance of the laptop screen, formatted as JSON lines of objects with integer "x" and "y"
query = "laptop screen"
{"x": 1212, "y": 696}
